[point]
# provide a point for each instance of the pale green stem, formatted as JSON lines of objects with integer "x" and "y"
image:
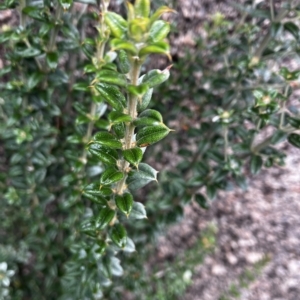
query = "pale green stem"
{"x": 100, "y": 55}
{"x": 54, "y": 32}
{"x": 283, "y": 107}
{"x": 225, "y": 132}
{"x": 22, "y": 5}
{"x": 272, "y": 10}
{"x": 132, "y": 110}
{"x": 265, "y": 41}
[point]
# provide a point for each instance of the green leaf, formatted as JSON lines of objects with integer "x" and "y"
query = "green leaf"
{"x": 139, "y": 178}
{"x": 156, "y": 48}
{"x": 160, "y": 11}
{"x": 116, "y": 23}
{"x": 211, "y": 191}
{"x": 295, "y": 122}
{"x": 107, "y": 139}
{"x": 97, "y": 190}
{"x": 66, "y": 4}
{"x": 124, "y": 203}
{"x": 118, "y": 44}
{"x": 158, "y": 31}
{"x": 33, "y": 80}
{"x": 278, "y": 136}
{"x": 138, "y": 211}
{"x": 130, "y": 11}
{"x": 88, "y": 228}
{"x": 119, "y": 236}
{"x": 34, "y": 12}
{"x": 80, "y": 86}
{"x": 95, "y": 198}
{"x": 112, "y": 77}
{"x": 52, "y": 60}
{"x": 111, "y": 175}
{"x": 118, "y": 117}
{"x": 138, "y": 29}
{"x": 105, "y": 154}
{"x": 156, "y": 77}
{"x": 133, "y": 156}
{"x": 289, "y": 75}
{"x": 112, "y": 95}
{"x": 256, "y": 164}
{"x": 142, "y": 8}
{"x": 151, "y": 134}
{"x": 101, "y": 247}
{"x": 119, "y": 130}
{"x": 294, "y": 139}
{"x": 202, "y": 201}
{"x": 241, "y": 182}
{"x": 292, "y": 28}
{"x": 105, "y": 216}
{"x": 149, "y": 117}
{"x": 143, "y": 104}
{"x": 123, "y": 62}
{"x": 29, "y": 52}
{"x": 138, "y": 90}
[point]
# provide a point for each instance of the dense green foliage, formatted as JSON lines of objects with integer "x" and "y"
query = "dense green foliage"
{"x": 72, "y": 98}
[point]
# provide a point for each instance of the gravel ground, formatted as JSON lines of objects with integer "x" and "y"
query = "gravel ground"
{"x": 252, "y": 225}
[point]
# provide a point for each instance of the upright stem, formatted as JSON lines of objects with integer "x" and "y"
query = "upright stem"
{"x": 99, "y": 56}
{"x": 22, "y": 16}
{"x": 54, "y": 32}
{"x": 132, "y": 110}
{"x": 225, "y": 143}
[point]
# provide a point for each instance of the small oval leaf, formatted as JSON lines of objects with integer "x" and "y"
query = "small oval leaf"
{"x": 119, "y": 130}
{"x": 133, "y": 155}
{"x": 156, "y": 77}
{"x": 139, "y": 178}
{"x": 151, "y": 134}
{"x": 111, "y": 175}
{"x": 156, "y": 48}
{"x": 105, "y": 154}
{"x": 256, "y": 164}
{"x": 107, "y": 139}
{"x": 116, "y": 24}
{"x": 104, "y": 218}
{"x": 125, "y": 46}
{"x": 158, "y": 31}
{"x": 149, "y": 117}
{"x": 294, "y": 139}
{"x": 119, "y": 236}
{"x": 123, "y": 62}
{"x": 202, "y": 201}
{"x": 138, "y": 211}
{"x": 142, "y": 8}
{"x": 143, "y": 104}
{"x": 112, "y": 77}
{"x": 118, "y": 117}
{"x": 112, "y": 95}
{"x": 124, "y": 203}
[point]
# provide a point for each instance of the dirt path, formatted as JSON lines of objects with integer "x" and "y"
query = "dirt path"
{"x": 262, "y": 223}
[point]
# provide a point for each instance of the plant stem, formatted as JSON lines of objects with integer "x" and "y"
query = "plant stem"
{"x": 283, "y": 105}
{"x": 54, "y": 32}
{"x": 265, "y": 41}
{"x": 272, "y": 10}
{"x": 132, "y": 110}
{"x": 99, "y": 56}
{"x": 225, "y": 130}
{"x": 22, "y": 5}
